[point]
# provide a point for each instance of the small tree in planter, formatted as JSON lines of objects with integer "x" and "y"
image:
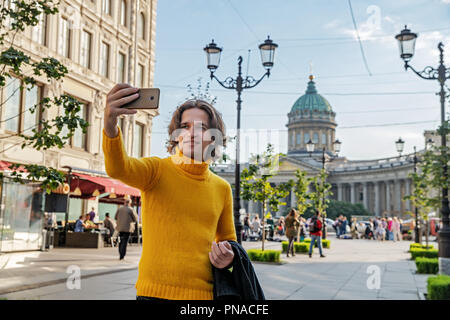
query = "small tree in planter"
{"x": 300, "y": 190}
{"x": 320, "y": 196}
{"x": 255, "y": 185}
{"x": 420, "y": 197}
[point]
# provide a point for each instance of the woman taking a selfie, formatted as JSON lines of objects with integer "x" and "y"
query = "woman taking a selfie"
{"x": 187, "y": 210}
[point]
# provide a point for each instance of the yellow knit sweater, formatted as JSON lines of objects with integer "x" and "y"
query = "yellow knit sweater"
{"x": 185, "y": 207}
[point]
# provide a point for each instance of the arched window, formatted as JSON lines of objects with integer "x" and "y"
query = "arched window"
{"x": 315, "y": 137}
{"x": 123, "y": 12}
{"x": 141, "y": 26}
{"x": 306, "y": 138}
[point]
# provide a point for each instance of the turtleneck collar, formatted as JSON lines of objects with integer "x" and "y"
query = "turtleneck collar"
{"x": 195, "y": 169}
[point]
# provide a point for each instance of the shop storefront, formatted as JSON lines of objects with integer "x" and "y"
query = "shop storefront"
{"x": 21, "y": 216}
{"x": 25, "y": 210}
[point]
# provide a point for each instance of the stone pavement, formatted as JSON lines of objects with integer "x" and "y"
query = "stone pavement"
{"x": 342, "y": 275}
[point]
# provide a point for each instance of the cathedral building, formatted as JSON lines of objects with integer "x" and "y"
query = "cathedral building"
{"x": 378, "y": 184}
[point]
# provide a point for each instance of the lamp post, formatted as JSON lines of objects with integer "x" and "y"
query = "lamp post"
{"x": 310, "y": 149}
{"x": 66, "y": 216}
{"x": 406, "y": 40}
{"x": 213, "y": 52}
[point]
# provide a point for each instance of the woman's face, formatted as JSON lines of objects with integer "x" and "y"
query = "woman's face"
{"x": 193, "y": 138}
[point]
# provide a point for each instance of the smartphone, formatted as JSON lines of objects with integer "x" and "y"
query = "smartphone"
{"x": 148, "y": 99}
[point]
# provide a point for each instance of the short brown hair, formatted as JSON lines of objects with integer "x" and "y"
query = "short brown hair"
{"x": 215, "y": 121}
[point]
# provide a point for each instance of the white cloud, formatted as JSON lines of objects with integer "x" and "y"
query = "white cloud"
{"x": 332, "y": 24}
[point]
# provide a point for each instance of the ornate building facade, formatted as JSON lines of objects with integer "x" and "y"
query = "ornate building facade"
{"x": 101, "y": 43}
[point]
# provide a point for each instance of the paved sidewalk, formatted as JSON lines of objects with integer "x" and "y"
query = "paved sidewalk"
{"x": 341, "y": 275}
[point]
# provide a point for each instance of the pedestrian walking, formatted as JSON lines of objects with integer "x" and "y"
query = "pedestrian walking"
{"x": 187, "y": 210}
{"x": 126, "y": 219}
{"x": 92, "y": 214}
{"x": 302, "y": 229}
{"x": 353, "y": 228}
{"x": 344, "y": 224}
{"x": 246, "y": 226}
{"x": 281, "y": 227}
{"x": 384, "y": 225}
{"x": 390, "y": 228}
{"x": 109, "y": 224}
{"x": 339, "y": 223}
{"x": 292, "y": 224}
{"x": 256, "y": 226}
{"x": 315, "y": 230}
{"x": 397, "y": 235}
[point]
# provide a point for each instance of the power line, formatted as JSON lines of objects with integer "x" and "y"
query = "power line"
{"x": 347, "y": 127}
{"x": 343, "y": 112}
{"x": 243, "y": 20}
{"x": 324, "y": 93}
{"x": 359, "y": 38}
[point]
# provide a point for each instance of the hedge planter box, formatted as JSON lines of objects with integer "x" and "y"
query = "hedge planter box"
{"x": 302, "y": 247}
{"x": 420, "y": 246}
{"x": 264, "y": 256}
{"x": 427, "y": 265}
{"x": 438, "y": 288}
{"x": 425, "y": 253}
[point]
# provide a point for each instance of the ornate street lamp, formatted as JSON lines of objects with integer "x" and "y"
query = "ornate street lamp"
{"x": 407, "y": 43}
{"x": 337, "y": 146}
{"x": 429, "y": 144}
{"x": 400, "y": 144}
{"x": 406, "y": 40}
{"x": 310, "y": 146}
{"x": 213, "y": 52}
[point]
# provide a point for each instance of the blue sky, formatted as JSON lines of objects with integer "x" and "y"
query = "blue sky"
{"x": 318, "y": 32}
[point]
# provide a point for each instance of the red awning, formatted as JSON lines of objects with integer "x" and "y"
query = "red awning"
{"x": 110, "y": 185}
{"x": 4, "y": 166}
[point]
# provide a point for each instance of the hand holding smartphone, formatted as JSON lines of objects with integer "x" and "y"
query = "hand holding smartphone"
{"x": 148, "y": 99}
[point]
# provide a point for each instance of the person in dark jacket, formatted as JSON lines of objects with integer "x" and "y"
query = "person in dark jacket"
{"x": 238, "y": 281}
{"x": 316, "y": 234}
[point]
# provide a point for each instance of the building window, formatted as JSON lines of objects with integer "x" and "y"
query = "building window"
{"x": 299, "y": 138}
{"x": 64, "y": 38}
{"x": 18, "y": 103}
{"x": 137, "y": 141}
{"x": 79, "y": 138}
{"x": 40, "y": 30}
{"x": 140, "y": 76}
{"x": 104, "y": 60}
{"x": 123, "y": 13}
{"x": 107, "y": 6}
{"x": 32, "y": 99}
{"x": 306, "y": 138}
{"x": 141, "y": 26}
{"x": 86, "y": 40}
{"x": 121, "y": 64}
{"x": 324, "y": 138}
{"x": 315, "y": 137}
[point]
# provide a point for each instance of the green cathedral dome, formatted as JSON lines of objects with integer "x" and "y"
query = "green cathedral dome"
{"x": 311, "y": 100}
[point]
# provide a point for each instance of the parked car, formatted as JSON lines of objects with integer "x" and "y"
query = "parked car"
{"x": 328, "y": 223}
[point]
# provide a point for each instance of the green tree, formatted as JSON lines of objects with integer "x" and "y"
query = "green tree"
{"x": 15, "y": 17}
{"x": 255, "y": 185}
{"x": 320, "y": 197}
{"x": 301, "y": 188}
